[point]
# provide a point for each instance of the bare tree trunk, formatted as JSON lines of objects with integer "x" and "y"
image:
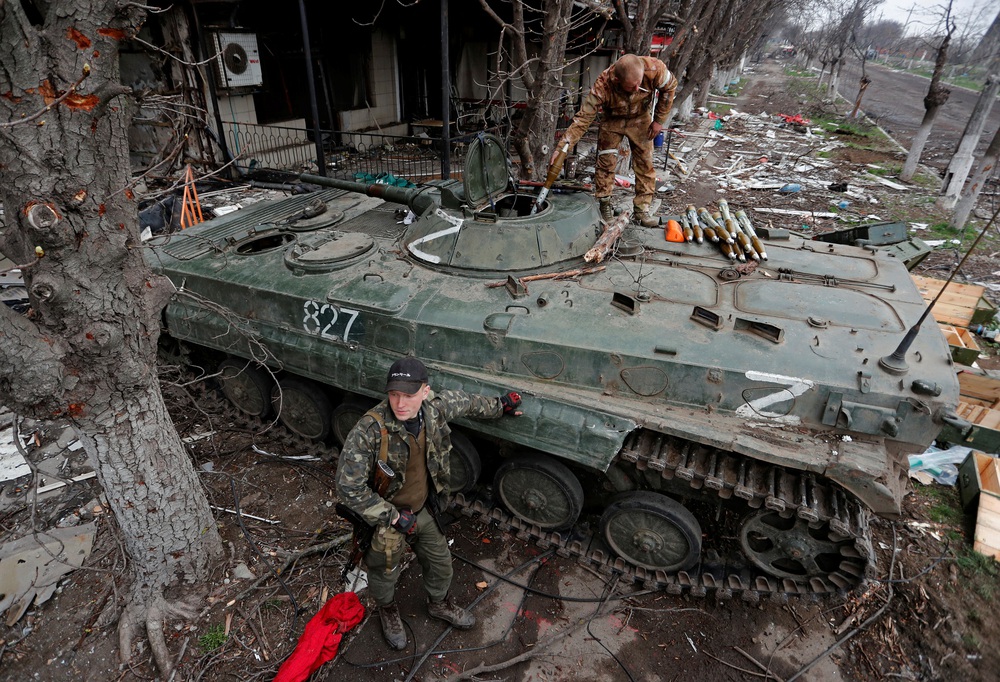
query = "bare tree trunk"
{"x": 961, "y": 162}
{"x": 638, "y": 27}
{"x": 862, "y": 86}
{"x": 970, "y": 194}
{"x": 917, "y": 146}
{"x": 541, "y": 76}
{"x": 87, "y": 349}
{"x": 936, "y": 97}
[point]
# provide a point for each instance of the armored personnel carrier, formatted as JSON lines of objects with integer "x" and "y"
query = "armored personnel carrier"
{"x": 722, "y": 428}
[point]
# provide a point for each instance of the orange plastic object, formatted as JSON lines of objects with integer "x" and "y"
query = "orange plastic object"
{"x": 673, "y": 232}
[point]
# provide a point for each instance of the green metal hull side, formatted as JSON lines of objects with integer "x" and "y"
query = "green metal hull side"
{"x": 978, "y": 437}
{"x": 691, "y": 364}
{"x": 778, "y": 363}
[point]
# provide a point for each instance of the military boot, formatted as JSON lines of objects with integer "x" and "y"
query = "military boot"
{"x": 451, "y": 613}
{"x": 607, "y": 210}
{"x": 641, "y": 216}
{"x": 392, "y": 626}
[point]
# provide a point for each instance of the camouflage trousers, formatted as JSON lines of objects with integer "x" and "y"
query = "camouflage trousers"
{"x": 609, "y": 137}
{"x": 386, "y": 555}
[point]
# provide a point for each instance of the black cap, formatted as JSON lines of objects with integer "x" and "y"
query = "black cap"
{"x": 406, "y": 375}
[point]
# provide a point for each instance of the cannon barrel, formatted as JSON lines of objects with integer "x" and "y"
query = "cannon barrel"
{"x": 419, "y": 199}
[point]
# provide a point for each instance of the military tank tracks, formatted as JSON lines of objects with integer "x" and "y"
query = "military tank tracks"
{"x": 798, "y": 536}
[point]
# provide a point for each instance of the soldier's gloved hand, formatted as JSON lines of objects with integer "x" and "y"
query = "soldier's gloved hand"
{"x": 405, "y": 522}
{"x": 511, "y": 401}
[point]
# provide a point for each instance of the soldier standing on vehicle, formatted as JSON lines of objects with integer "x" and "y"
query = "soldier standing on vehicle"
{"x": 409, "y": 432}
{"x": 623, "y": 94}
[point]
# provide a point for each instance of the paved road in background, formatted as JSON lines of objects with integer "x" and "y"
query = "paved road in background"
{"x": 896, "y": 100}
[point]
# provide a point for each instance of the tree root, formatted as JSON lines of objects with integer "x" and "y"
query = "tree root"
{"x": 150, "y": 610}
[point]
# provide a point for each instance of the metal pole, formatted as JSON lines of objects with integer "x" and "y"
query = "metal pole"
{"x": 227, "y": 156}
{"x": 445, "y": 97}
{"x": 307, "y": 49}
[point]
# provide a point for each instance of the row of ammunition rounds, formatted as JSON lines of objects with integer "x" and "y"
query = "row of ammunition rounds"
{"x": 733, "y": 233}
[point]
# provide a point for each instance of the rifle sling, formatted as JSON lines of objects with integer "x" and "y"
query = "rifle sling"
{"x": 383, "y": 453}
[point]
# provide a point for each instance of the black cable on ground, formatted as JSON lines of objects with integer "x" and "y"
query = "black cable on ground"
{"x": 927, "y": 569}
{"x": 433, "y": 648}
{"x": 540, "y": 593}
{"x": 836, "y": 645}
{"x": 447, "y": 631}
{"x": 604, "y": 600}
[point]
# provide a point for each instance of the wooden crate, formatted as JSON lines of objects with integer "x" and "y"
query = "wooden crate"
{"x": 979, "y": 403}
{"x": 964, "y": 349}
{"x": 963, "y": 305}
{"x": 979, "y": 489}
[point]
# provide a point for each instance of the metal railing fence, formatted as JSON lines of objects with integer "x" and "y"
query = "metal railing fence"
{"x": 349, "y": 155}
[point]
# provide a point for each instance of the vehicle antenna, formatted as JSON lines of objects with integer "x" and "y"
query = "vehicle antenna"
{"x": 895, "y": 363}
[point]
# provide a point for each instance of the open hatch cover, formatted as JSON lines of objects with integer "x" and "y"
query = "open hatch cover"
{"x": 486, "y": 170}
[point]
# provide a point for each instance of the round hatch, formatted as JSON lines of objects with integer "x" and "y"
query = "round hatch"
{"x": 314, "y": 216}
{"x": 486, "y": 172}
{"x": 261, "y": 241}
{"x": 328, "y": 251}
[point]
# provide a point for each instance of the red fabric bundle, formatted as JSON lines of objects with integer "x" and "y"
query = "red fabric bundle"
{"x": 321, "y": 639}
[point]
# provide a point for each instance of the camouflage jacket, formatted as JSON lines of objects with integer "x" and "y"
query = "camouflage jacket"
{"x": 608, "y": 100}
{"x": 361, "y": 450}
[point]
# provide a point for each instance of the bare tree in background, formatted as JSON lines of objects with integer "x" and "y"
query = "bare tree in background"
{"x": 86, "y": 351}
{"x": 715, "y": 34}
{"x": 538, "y": 38}
{"x": 863, "y": 46}
{"x": 853, "y": 15}
{"x": 639, "y": 27}
{"x": 936, "y": 97}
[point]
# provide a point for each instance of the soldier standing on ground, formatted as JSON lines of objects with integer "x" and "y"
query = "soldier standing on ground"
{"x": 409, "y": 431}
{"x": 623, "y": 94}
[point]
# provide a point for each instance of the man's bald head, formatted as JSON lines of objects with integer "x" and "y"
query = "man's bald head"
{"x": 628, "y": 72}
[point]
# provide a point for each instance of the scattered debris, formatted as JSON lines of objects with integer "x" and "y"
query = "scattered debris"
{"x": 30, "y": 567}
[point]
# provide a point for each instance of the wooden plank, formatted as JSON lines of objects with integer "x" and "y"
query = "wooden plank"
{"x": 990, "y": 420}
{"x": 950, "y": 335}
{"x": 934, "y": 285}
{"x": 990, "y": 476}
{"x": 951, "y": 297}
{"x": 968, "y": 340}
{"x": 988, "y": 525}
{"x": 979, "y": 386}
{"x": 952, "y": 315}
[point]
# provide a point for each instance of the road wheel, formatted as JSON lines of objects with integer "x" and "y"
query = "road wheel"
{"x": 653, "y": 531}
{"x": 539, "y": 490}
{"x": 347, "y": 414}
{"x": 792, "y": 547}
{"x": 303, "y": 408}
{"x": 464, "y": 463}
{"x": 246, "y": 386}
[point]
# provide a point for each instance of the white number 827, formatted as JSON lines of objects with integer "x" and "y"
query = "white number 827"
{"x": 327, "y": 320}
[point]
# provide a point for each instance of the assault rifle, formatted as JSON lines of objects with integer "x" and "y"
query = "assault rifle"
{"x": 363, "y": 532}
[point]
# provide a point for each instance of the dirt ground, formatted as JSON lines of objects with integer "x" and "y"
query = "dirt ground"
{"x": 930, "y": 614}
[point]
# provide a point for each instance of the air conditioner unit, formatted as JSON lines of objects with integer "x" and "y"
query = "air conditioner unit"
{"x": 237, "y": 60}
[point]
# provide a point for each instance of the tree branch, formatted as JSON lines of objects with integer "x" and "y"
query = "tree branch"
{"x": 48, "y": 107}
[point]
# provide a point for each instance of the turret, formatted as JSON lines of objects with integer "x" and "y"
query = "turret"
{"x": 484, "y": 224}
